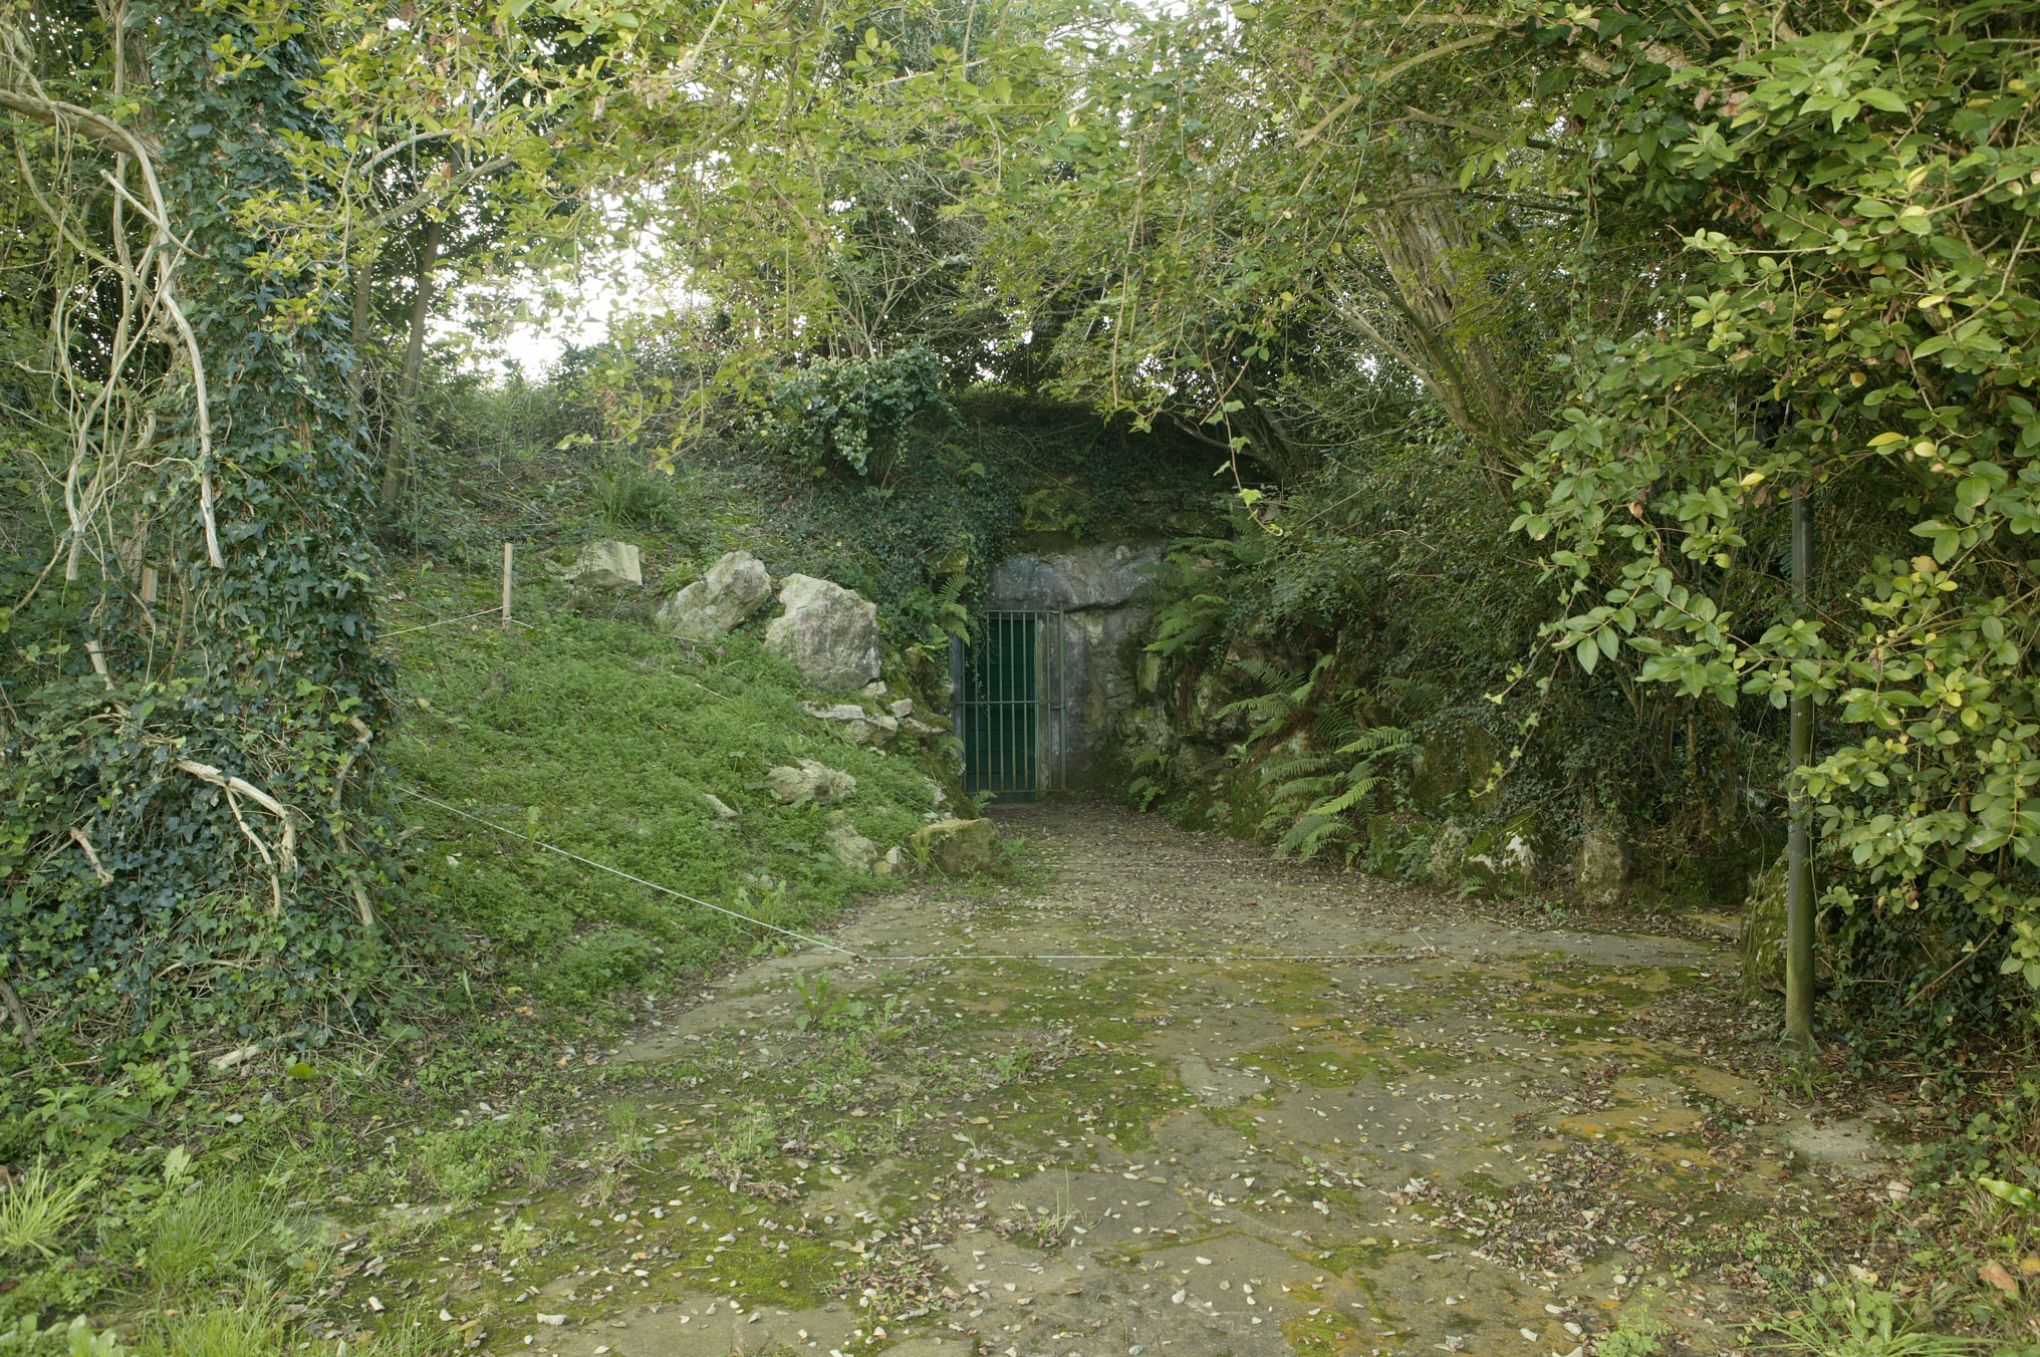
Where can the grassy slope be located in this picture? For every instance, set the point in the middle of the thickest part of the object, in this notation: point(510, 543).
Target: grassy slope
point(605, 738)
point(588, 729)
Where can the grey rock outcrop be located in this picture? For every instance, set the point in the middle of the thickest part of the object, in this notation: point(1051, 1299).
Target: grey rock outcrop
point(827, 632)
point(807, 780)
point(957, 847)
point(612, 565)
point(715, 605)
point(1601, 871)
point(852, 849)
point(856, 724)
point(1103, 576)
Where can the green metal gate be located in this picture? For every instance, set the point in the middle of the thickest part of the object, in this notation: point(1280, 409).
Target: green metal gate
point(1009, 703)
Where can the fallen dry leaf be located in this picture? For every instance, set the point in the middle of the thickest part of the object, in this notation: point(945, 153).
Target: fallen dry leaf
point(1995, 1274)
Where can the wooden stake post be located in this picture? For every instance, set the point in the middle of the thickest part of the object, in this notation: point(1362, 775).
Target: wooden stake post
point(507, 552)
point(1799, 979)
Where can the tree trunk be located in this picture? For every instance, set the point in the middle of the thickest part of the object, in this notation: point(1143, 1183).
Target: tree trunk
point(396, 458)
point(357, 334)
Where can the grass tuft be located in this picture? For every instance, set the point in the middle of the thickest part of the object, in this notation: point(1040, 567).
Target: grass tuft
point(36, 1210)
point(212, 1233)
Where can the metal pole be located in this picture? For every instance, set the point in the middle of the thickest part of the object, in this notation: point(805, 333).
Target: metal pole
point(506, 586)
point(1062, 701)
point(1798, 857)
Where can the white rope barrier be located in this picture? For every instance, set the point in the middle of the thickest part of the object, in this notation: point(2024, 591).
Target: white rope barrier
point(919, 958)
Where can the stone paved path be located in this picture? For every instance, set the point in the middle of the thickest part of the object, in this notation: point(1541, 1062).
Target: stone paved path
point(1420, 1128)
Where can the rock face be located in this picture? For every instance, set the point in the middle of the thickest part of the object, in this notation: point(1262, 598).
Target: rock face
point(1513, 858)
point(807, 780)
point(1601, 872)
point(1077, 580)
point(1448, 855)
point(1094, 587)
point(1457, 756)
point(957, 847)
point(856, 724)
point(612, 565)
point(1497, 862)
point(721, 601)
point(827, 632)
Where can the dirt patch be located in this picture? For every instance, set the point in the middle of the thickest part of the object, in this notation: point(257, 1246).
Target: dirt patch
point(1179, 1100)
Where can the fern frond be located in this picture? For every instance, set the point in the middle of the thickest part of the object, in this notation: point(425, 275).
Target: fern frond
point(1265, 674)
point(1310, 834)
point(1357, 790)
point(1281, 767)
point(1378, 740)
point(1335, 726)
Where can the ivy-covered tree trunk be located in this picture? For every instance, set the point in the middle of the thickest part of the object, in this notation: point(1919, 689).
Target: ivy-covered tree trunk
point(193, 794)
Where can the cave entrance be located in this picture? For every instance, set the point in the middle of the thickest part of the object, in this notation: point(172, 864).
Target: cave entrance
point(1009, 703)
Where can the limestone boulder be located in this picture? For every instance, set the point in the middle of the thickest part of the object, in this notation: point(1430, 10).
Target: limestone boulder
point(827, 632)
point(852, 849)
point(807, 780)
point(1446, 864)
point(608, 565)
point(1601, 868)
point(1498, 862)
point(715, 605)
point(957, 847)
point(854, 723)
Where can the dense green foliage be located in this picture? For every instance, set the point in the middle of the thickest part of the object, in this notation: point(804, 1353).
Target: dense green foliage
point(840, 413)
point(1856, 319)
point(183, 837)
